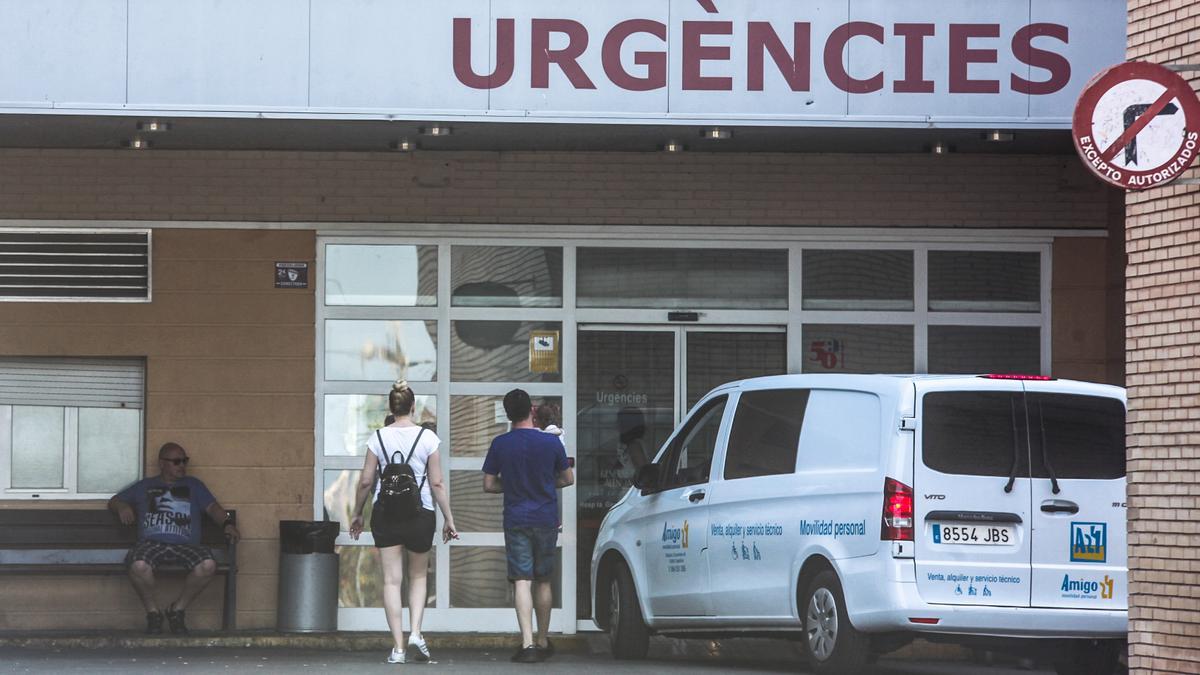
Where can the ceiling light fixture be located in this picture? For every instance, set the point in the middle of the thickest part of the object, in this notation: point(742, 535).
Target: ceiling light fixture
point(941, 148)
point(402, 145)
point(137, 144)
point(716, 133)
point(436, 130)
point(673, 145)
point(153, 126)
point(998, 136)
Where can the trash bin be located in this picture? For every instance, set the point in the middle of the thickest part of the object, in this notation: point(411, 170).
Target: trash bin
point(308, 576)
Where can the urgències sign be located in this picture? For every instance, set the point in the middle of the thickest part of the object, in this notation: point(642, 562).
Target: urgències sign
point(1017, 63)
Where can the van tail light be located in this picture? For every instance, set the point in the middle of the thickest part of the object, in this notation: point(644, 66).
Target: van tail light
point(897, 511)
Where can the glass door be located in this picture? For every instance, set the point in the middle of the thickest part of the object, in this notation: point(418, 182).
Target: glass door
point(634, 385)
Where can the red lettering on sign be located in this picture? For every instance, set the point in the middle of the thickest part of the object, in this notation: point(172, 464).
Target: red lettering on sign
point(794, 67)
point(962, 56)
point(566, 58)
point(914, 81)
point(1057, 64)
point(655, 62)
point(502, 73)
point(836, 46)
point(694, 53)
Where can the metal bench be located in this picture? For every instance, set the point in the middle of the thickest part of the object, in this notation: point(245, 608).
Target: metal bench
point(93, 541)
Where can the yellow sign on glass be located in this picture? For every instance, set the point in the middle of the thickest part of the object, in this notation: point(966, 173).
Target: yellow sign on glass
point(543, 351)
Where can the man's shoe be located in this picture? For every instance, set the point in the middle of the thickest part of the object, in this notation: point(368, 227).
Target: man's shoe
point(527, 655)
point(419, 649)
point(396, 656)
point(547, 651)
point(175, 620)
point(154, 622)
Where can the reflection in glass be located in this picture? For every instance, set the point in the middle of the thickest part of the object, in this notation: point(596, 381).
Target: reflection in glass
point(984, 349)
point(474, 510)
point(984, 281)
point(476, 420)
point(499, 351)
point(350, 419)
point(506, 276)
point(380, 350)
point(378, 274)
point(717, 358)
point(360, 582)
point(682, 278)
point(339, 493)
point(110, 444)
point(479, 577)
point(37, 446)
point(857, 280)
point(849, 348)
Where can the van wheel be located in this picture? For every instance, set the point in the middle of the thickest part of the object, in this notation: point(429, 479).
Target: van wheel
point(1090, 657)
point(832, 644)
point(627, 632)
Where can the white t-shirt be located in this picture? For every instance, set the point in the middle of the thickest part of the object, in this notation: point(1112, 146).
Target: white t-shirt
point(399, 441)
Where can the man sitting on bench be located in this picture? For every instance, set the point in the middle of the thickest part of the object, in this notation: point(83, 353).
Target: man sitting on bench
point(167, 509)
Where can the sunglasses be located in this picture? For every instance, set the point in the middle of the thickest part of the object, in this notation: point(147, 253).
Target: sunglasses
point(176, 460)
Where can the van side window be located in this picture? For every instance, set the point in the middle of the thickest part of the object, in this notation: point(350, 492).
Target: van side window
point(1082, 436)
point(766, 433)
point(690, 458)
point(974, 433)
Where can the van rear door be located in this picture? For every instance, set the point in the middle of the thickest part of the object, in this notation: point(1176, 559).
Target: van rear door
point(972, 493)
point(1077, 444)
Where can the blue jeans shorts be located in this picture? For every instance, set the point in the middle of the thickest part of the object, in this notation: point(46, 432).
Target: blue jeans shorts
point(530, 552)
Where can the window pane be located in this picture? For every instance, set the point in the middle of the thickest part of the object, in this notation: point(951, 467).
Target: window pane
point(857, 280)
point(691, 453)
point(682, 278)
point(37, 447)
point(110, 448)
point(476, 420)
point(381, 350)
point(851, 348)
point(361, 578)
point(350, 419)
point(1082, 436)
point(984, 349)
point(474, 510)
point(506, 276)
point(717, 358)
point(340, 487)
point(374, 274)
point(972, 433)
point(502, 351)
point(984, 281)
point(766, 433)
point(479, 577)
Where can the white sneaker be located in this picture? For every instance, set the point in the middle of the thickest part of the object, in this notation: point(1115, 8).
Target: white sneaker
point(396, 656)
point(422, 650)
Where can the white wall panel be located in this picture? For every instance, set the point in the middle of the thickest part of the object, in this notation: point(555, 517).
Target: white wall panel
point(219, 53)
point(1085, 50)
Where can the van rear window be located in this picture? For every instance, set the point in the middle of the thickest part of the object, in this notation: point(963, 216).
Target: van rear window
point(974, 433)
point(1083, 436)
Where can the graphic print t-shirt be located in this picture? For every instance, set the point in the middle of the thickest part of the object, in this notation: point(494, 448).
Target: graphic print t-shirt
point(168, 513)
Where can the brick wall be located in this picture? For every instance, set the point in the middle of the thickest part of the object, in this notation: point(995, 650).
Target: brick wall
point(1163, 376)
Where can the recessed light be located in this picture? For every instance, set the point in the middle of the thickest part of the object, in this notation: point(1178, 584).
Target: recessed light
point(998, 136)
point(673, 145)
point(402, 145)
point(153, 126)
point(436, 130)
point(717, 133)
point(941, 148)
point(137, 144)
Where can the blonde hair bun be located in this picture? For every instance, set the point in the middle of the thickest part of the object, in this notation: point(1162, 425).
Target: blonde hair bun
point(400, 385)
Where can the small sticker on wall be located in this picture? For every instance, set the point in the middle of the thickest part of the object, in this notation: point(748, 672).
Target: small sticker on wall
point(291, 275)
point(543, 351)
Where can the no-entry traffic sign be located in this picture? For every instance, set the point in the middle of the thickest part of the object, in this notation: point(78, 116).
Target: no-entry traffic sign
point(1137, 125)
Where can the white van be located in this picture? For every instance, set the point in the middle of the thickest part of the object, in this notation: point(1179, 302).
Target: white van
point(854, 512)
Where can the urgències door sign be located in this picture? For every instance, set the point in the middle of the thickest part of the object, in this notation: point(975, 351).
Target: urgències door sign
point(1137, 125)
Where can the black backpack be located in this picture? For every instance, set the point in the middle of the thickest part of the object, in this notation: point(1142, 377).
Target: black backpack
point(399, 491)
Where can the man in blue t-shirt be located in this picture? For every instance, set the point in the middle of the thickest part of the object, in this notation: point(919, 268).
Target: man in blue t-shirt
point(527, 466)
point(168, 509)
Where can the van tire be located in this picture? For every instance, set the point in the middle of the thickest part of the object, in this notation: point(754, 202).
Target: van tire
point(627, 632)
point(832, 644)
point(1090, 657)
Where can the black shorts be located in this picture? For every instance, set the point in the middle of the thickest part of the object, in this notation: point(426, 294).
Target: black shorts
point(414, 533)
point(156, 553)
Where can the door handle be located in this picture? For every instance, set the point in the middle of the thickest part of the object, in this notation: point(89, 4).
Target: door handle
point(1060, 506)
point(696, 496)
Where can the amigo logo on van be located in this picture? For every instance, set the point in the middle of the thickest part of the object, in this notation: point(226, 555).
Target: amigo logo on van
point(675, 535)
point(1089, 542)
point(1087, 588)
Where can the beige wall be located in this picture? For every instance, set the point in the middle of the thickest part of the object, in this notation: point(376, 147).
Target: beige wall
point(1162, 341)
point(229, 374)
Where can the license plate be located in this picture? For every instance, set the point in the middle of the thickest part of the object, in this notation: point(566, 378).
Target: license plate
point(978, 535)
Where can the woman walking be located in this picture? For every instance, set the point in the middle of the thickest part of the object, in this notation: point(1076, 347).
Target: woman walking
point(403, 537)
